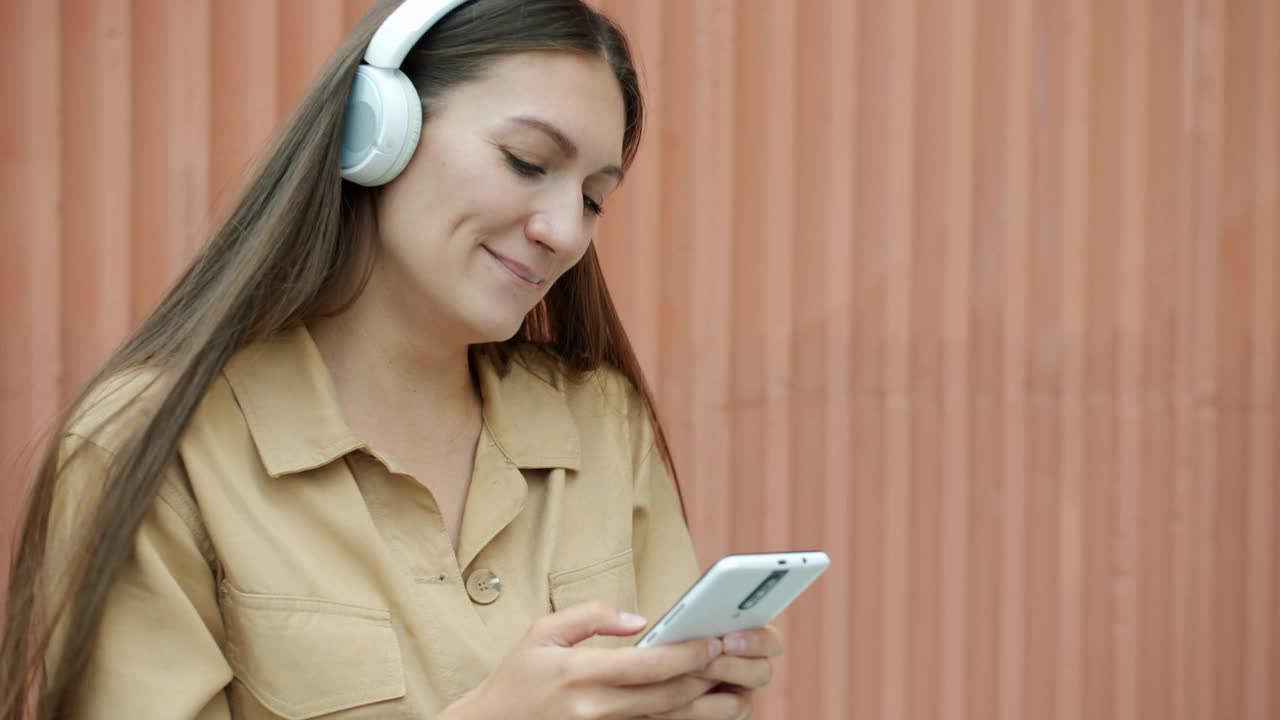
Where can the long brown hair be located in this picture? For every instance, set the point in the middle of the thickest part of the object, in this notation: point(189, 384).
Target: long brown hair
point(290, 249)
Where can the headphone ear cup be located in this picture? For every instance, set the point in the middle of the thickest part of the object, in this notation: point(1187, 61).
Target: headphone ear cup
point(381, 126)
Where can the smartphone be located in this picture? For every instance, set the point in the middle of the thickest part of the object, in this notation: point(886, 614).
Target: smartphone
point(739, 592)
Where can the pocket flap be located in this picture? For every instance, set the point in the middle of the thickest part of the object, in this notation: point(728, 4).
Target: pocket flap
point(305, 657)
point(612, 581)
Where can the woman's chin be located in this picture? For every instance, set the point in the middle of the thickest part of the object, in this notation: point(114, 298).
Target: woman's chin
point(495, 328)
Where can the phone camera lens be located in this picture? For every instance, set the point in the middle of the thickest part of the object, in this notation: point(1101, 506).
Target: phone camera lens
point(763, 589)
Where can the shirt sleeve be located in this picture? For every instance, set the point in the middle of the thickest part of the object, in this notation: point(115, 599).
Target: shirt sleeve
point(665, 562)
point(157, 649)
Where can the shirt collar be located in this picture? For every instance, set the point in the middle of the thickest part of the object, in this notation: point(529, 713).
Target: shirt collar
point(291, 407)
point(527, 414)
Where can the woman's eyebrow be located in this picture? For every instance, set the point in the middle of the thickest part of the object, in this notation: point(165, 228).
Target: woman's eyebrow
point(567, 146)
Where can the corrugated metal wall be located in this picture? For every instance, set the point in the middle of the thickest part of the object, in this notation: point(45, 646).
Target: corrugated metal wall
point(978, 295)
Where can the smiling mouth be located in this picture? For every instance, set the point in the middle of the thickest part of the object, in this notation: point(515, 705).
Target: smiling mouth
point(523, 275)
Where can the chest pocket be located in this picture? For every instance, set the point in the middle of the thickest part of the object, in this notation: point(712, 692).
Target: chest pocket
point(611, 581)
point(299, 658)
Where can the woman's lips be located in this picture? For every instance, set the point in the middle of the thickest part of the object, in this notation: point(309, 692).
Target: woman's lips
point(520, 271)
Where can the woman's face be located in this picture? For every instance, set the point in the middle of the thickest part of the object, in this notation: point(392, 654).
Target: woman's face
point(502, 195)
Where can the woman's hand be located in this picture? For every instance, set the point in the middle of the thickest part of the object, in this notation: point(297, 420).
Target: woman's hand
point(546, 678)
point(744, 668)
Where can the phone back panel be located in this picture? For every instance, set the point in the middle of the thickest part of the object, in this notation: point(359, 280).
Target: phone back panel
point(739, 592)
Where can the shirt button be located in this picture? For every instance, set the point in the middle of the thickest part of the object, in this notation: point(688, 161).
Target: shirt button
point(484, 587)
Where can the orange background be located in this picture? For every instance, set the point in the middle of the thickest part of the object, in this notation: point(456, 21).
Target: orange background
point(980, 296)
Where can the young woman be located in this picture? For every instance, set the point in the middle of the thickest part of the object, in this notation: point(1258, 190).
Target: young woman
point(384, 451)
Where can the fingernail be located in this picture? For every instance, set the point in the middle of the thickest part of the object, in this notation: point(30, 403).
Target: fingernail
point(631, 619)
point(735, 645)
point(714, 647)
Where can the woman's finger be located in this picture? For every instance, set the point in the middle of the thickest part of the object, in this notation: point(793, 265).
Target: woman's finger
point(632, 666)
point(750, 673)
point(765, 642)
point(712, 706)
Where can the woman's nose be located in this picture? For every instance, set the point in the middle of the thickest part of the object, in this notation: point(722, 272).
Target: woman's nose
point(559, 225)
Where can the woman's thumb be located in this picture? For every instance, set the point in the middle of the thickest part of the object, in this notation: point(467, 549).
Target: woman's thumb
point(575, 624)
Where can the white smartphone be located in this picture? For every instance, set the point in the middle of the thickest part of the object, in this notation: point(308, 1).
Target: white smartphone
point(739, 592)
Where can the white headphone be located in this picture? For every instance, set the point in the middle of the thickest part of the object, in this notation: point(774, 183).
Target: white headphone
point(383, 121)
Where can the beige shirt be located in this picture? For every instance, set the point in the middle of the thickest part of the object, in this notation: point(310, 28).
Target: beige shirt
point(287, 569)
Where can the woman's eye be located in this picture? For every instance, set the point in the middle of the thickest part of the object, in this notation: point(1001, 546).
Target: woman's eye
point(529, 170)
point(522, 168)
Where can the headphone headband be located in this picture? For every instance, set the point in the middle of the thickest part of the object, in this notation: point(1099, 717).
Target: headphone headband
point(404, 27)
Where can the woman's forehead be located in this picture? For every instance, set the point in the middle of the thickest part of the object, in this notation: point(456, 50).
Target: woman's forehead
point(574, 93)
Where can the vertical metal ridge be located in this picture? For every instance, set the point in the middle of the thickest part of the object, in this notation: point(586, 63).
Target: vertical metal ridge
point(962, 79)
point(711, 164)
point(1131, 415)
point(1075, 218)
point(1017, 231)
point(898, 226)
point(1262, 616)
point(1207, 141)
point(838, 183)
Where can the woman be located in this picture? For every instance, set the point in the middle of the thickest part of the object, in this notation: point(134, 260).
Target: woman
point(385, 452)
